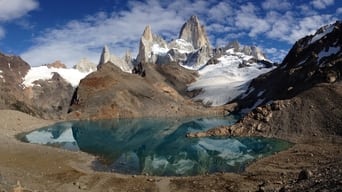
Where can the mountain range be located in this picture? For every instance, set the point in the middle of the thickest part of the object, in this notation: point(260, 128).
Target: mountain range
point(183, 77)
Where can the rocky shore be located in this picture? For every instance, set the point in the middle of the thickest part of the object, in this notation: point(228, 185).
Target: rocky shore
point(311, 165)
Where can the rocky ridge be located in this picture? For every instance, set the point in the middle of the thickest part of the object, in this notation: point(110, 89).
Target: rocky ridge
point(283, 103)
point(124, 64)
point(111, 93)
point(308, 63)
point(192, 48)
point(48, 99)
point(12, 71)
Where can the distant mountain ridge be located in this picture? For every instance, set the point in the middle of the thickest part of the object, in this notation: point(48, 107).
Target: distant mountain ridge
point(192, 49)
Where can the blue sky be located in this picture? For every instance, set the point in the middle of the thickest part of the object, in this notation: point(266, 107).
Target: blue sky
point(69, 30)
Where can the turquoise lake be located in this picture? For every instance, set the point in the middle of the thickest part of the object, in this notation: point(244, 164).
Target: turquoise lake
point(157, 146)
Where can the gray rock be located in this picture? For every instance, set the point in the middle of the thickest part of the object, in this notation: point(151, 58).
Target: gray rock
point(194, 33)
point(304, 174)
point(106, 56)
point(85, 65)
point(148, 39)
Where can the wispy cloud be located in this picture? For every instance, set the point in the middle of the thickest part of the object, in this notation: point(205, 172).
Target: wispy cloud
point(322, 4)
point(2, 32)
point(276, 20)
point(281, 5)
point(14, 9)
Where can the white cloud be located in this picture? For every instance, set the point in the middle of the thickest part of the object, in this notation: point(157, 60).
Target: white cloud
point(13, 9)
point(247, 19)
point(119, 30)
point(309, 25)
point(276, 20)
point(222, 11)
point(307, 10)
point(322, 4)
point(85, 38)
point(339, 11)
point(2, 32)
point(276, 55)
point(276, 5)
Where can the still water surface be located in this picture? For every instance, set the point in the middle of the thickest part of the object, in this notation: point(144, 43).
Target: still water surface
point(157, 146)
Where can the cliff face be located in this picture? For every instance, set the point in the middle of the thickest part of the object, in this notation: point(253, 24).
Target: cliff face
point(193, 32)
point(147, 41)
point(12, 71)
point(48, 99)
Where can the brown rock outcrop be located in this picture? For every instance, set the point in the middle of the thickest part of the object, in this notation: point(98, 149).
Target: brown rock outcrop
point(111, 93)
point(57, 64)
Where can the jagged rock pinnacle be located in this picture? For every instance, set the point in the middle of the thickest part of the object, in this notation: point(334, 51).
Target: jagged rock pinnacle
point(147, 40)
point(147, 35)
point(194, 33)
point(105, 55)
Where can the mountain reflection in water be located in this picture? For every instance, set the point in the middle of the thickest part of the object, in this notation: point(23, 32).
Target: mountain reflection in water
point(157, 146)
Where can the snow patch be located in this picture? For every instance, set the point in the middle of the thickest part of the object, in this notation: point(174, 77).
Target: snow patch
point(320, 35)
point(329, 52)
point(182, 46)
point(73, 76)
point(256, 104)
point(157, 50)
point(302, 62)
point(249, 92)
point(261, 93)
point(1, 71)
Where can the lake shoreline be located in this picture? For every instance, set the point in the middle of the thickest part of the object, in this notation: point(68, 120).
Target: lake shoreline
point(41, 168)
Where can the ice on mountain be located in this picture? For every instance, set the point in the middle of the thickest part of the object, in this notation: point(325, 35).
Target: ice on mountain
point(327, 53)
point(158, 50)
point(318, 36)
point(181, 46)
point(256, 104)
point(73, 76)
point(224, 81)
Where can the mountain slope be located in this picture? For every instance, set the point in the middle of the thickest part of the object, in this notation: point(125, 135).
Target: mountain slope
point(299, 100)
point(228, 75)
point(111, 93)
point(309, 62)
